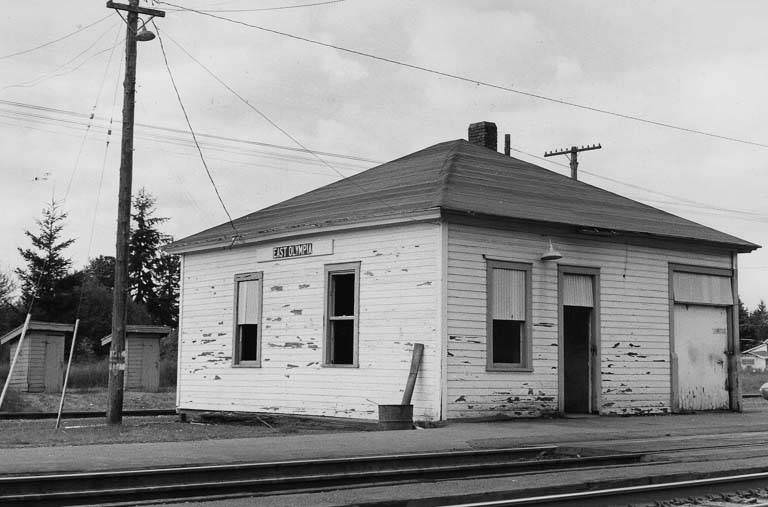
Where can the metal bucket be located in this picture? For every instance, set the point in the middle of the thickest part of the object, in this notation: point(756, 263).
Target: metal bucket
point(396, 417)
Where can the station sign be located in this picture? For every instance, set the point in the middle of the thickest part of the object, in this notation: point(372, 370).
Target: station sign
point(288, 251)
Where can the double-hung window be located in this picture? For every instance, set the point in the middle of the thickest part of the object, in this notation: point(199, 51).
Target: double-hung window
point(341, 310)
point(248, 299)
point(508, 292)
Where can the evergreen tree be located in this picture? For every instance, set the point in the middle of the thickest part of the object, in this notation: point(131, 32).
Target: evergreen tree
point(145, 243)
point(46, 265)
point(164, 304)
point(758, 320)
point(746, 331)
point(102, 268)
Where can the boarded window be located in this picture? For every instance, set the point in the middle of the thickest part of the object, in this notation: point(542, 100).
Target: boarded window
point(342, 314)
point(248, 299)
point(508, 315)
point(696, 288)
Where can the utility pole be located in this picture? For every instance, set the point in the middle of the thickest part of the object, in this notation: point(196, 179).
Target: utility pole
point(120, 293)
point(572, 154)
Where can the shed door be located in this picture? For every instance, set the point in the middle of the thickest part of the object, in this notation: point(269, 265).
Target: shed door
point(150, 371)
point(53, 359)
point(701, 334)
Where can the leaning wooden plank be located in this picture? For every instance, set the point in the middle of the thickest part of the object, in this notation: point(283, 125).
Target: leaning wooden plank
point(418, 352)
point(15, 358)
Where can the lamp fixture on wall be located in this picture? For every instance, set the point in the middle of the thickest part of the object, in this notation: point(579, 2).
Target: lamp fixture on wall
point(551, 254)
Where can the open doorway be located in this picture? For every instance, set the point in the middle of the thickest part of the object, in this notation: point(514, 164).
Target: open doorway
point(579, 339)
point(577, 331)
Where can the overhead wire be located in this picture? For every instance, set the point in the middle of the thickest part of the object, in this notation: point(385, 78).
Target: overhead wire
point(683, 201)
point(53, 73)
point(65, 112)
point(90, 120)
point(474, 81)
point(50, 43)
point(194, 137)
point(278, 127)
point(281, 8)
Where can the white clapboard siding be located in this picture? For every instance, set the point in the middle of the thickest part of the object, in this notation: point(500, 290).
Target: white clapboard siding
point(634, 305)
point(399, 298)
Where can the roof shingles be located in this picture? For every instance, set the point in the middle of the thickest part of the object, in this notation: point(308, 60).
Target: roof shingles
point(461, 177)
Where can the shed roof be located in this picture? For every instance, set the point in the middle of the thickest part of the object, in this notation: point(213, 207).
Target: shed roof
point(759, 351)
point(144, 331)
point(36, 325)
point(460, 177)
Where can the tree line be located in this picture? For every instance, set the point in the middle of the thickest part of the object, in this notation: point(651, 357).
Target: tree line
point(55, 292)
point(753, 326)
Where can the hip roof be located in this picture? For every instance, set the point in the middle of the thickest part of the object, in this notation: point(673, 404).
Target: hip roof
point(461, 177)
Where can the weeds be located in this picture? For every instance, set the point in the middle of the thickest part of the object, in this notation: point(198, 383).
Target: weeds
point(752, 380)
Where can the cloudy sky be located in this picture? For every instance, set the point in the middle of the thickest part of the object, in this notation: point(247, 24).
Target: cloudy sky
point(694, 64)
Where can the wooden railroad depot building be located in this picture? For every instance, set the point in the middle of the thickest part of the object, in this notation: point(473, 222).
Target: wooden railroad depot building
point(533, 293)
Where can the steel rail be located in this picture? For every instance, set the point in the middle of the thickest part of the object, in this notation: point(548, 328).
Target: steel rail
point(283, 476)
point(628, 494)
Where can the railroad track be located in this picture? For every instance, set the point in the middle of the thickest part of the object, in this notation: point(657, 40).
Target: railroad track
point(84, 414)
point(638, 494)
point(287, 476)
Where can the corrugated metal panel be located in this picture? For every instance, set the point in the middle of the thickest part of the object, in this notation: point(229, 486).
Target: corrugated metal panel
point(460, 176)
point(702, 289)
point(508, 294)
point(248, 301)
point(578, 290)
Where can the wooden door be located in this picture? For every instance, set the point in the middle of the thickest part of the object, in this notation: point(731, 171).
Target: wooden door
point(150, 368)
point(701, 343)
point(53, 361)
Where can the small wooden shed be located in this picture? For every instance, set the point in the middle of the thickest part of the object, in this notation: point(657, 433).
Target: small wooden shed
point(142, 356)
point(40, 366)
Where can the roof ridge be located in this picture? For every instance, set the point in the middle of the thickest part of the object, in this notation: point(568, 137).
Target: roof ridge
point(444, 174)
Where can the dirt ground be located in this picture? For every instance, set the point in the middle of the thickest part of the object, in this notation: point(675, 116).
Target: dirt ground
point(39, 433)
point(79, 400)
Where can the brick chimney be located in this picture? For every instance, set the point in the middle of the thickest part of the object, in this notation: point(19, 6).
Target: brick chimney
point(483, 134)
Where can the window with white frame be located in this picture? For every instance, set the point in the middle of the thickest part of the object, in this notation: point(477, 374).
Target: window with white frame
point(248, 299)
point(342, 310)
point(509, 327)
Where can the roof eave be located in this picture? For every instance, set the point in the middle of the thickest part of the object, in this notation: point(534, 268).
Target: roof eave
point(744, 247)
point(416, 216)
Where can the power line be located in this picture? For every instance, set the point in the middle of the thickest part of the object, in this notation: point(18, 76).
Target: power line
point(90, 123)
point(682, 200)
point(49, 43)
point(189, 124)
point(267, 8)
point(476, 81)
point(278, 127)
point(40, 79)
point(38, 107)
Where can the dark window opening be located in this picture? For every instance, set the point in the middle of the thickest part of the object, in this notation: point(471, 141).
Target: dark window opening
point(343, 293)
point(507, 341)
point(249, 340)
point(343, 337)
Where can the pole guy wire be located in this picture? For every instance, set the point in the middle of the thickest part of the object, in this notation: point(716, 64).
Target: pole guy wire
point(194, 137)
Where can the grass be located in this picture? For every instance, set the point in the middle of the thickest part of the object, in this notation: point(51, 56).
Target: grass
point(752, 380)
point(94, 374)
point(86, 400)
point(38, 433)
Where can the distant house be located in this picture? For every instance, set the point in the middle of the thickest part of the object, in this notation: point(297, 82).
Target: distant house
point(755, 358)
point(533, 293)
